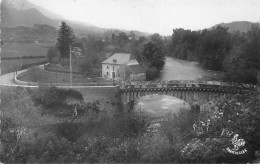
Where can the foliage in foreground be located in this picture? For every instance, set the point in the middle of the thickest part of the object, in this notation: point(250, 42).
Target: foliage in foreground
point(55, 96)
point(129, 138)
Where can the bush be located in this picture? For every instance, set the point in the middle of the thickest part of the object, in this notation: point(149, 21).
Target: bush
point(152, 73)
point(69, 130)
point(49, 96)
point(53, 55)
point(237, 115)
point(130, 124)
point(177, 127)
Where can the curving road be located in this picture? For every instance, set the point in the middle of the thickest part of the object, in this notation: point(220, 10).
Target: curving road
point(8, 80)
point(174, 69)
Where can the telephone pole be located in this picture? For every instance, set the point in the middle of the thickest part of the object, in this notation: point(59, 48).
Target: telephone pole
point(70, 69)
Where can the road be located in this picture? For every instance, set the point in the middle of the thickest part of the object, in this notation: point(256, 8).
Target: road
point(173, 70)
point(8, 80)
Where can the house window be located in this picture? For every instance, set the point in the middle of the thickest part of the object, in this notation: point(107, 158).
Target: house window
point(107, 67)
point(108, 73)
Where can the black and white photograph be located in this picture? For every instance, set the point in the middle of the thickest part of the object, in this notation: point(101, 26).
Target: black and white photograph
point(129, 82)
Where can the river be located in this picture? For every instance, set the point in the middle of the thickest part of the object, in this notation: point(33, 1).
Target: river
point(156, 106)
point(175, 69)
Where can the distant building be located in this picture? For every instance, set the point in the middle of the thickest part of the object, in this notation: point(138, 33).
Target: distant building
point(77, 51)
point(124, 66)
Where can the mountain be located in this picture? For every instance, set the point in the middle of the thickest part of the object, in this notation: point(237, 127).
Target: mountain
point(12, 17)
point(242, 26)
point(39, 32)
point(23, 13)
point(25, 5)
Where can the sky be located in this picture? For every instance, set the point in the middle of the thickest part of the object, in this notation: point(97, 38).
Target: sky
point(154, 16)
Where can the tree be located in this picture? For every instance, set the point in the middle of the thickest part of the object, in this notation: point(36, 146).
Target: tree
point(53, 55)
point(242, 64)
point(152, 55)
point(214, 45)
point(122, 38)
point(132, 35)
point(157, 39)
point(152, 58)
point(183, 44)
point(237, 69)
point(90, 63)
point(65, 40)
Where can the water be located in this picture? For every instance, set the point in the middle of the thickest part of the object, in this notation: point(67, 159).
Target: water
point(175, 69)
point(156, 106)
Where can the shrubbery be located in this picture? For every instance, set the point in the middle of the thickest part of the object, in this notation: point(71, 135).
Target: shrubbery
point(49, 96)
point(130, 138)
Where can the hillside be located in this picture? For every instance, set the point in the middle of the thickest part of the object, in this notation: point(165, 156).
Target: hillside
point(23, 13)
point(12, 17)
point(39, 32)
point(25, 5)
point(242, 26)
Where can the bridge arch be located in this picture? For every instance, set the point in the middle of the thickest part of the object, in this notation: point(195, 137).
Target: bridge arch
point(193, 93)
point(191, 96)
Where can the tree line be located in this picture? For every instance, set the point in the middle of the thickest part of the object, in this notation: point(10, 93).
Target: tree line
point(149, 51)
point(236, 54)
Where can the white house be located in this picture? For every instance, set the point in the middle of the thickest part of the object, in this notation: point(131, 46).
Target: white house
point(118, 64)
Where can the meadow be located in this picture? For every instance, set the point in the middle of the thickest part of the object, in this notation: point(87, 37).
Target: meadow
point(42, 76)
point(22, 50)
point(13, 55)
point(10, 65)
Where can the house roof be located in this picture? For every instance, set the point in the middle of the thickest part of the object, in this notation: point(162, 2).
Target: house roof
point(107, 55)
point(135, 69)
point(121, 58)
point(132, 62)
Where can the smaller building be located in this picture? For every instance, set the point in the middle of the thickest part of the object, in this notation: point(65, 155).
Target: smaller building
point(77, 51)
point(135, 73)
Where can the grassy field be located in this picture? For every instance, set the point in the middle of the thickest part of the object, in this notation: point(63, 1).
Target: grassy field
point(13, 64)
point(21, 50)
point(53, 77)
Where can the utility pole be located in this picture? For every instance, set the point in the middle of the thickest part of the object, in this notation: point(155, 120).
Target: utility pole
point(70, 69)
point(113, 75)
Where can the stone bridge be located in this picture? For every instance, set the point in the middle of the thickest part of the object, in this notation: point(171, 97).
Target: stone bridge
point(190, 91)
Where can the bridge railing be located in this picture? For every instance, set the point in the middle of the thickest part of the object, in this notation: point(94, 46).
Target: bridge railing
point(186, 84)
